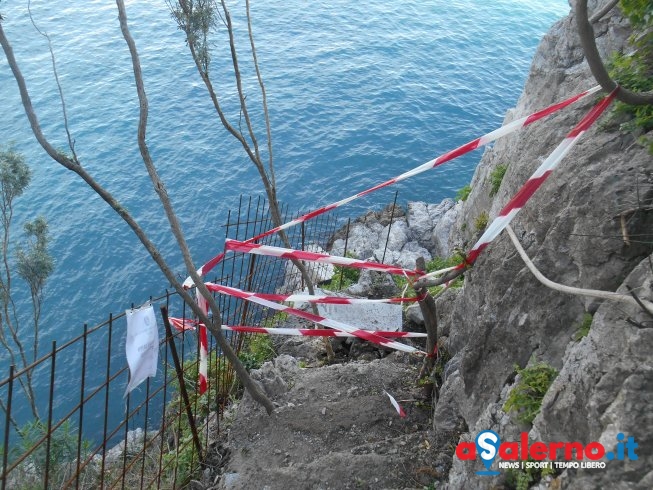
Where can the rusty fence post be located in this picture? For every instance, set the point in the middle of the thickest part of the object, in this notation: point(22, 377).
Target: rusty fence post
point(392, 217)
point(182, 385)
point(5, 453)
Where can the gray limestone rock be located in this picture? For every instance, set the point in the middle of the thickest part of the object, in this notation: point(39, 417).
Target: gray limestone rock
point(273, 375)
point(604, 388)
point(395, 236)
point(571, 230)
point(442, 231)
point(425, 228)
point(363, 239)
point(414, 314)
point(410, 253)
point(373, 285)
point(423, 218)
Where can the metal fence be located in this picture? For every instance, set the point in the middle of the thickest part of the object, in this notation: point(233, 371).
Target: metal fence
point(89, 435)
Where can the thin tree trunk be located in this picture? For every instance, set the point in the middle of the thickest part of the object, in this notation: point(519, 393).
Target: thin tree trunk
point(429, 312)
point(252, 150)
point(598, 69)
point(606, 8)
point(159, 187)
point(74, 165)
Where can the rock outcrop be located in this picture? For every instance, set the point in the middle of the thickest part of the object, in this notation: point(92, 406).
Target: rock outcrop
point(572, 230)
point(590, 225)
point(398, 236)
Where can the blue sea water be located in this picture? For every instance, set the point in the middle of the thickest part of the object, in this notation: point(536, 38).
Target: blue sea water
point(358, 92)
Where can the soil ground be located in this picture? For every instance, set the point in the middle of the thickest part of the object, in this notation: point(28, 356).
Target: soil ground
point(334, 427)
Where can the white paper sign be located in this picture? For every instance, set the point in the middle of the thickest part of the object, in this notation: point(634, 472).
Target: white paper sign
point(142, 346)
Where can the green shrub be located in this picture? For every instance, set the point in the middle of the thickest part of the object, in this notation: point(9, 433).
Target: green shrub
point(61, 458)
point(639, 12)
point(525, 399)
point(343, 277)
point(632, 73)
point(523, 479)
point(633, 70)
point(437, 263)
point(257, 350)
point(463, 193)
point(496, 176)
point(481, 221)
point(584, 327)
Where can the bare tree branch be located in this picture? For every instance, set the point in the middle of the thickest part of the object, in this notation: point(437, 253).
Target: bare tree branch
point(599, 14)
point(71, 143)
point(593, 293)
point(598, 69)
point(215, 325)
point(429, 313)
point(439, 281)
point(74, 165)
point(184, 14)
point(264, 102)
point(239, 81)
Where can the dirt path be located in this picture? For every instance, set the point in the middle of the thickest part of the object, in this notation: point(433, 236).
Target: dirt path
point(335, 428)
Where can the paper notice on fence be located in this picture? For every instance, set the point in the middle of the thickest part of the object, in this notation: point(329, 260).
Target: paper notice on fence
point(142, 346)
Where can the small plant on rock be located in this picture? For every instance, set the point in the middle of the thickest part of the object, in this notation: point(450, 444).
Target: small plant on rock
point(583, 327)
point(496, 177)
point(522, 479)
point(438, 263)
point(60, 460)
point(463, 193)
point(481, 221)
point(343, 277)
point(257, 350)
point(525, 399)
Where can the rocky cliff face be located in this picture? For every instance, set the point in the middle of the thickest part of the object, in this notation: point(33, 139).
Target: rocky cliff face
point(572, 230)
point(590, 226)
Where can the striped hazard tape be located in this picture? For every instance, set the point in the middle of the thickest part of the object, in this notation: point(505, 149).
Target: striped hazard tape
point(395, 404)
point(495, 228)
point(522, 196)
point(320, 299)
point(461, 150)
point(327, 322)
point(287, 253)
point(204, 345)
point(188, 324)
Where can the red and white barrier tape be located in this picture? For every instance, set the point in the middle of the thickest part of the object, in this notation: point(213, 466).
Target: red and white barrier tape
point(328, 300)
point(287, 253)
point(518, 201)
point(188, 324)
point(363, 334)
point(461, 150)
point(204, 345)
point(395, 404)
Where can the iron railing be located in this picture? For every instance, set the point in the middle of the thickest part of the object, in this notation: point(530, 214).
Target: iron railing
point(89, 434)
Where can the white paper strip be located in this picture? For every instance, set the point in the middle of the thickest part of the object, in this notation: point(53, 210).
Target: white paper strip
point(142, 345)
